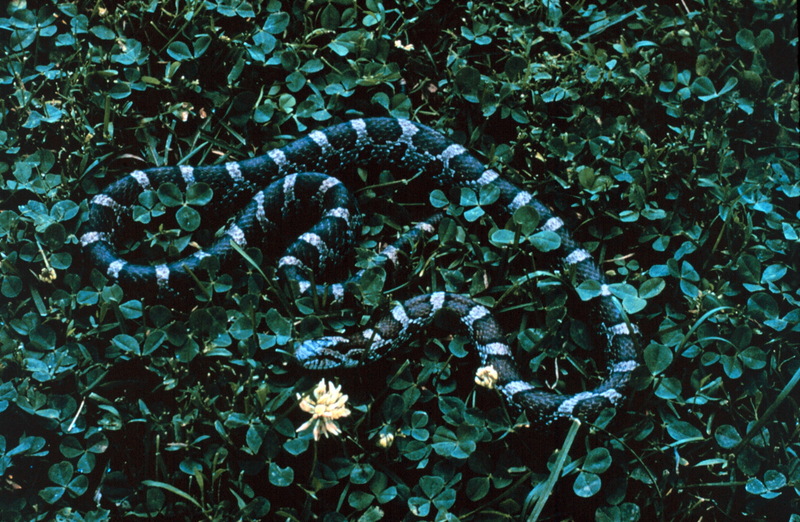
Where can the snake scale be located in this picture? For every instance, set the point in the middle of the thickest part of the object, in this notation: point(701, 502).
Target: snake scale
point(301, 189)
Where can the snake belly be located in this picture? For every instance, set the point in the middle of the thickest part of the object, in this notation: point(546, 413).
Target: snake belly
point(306, 181)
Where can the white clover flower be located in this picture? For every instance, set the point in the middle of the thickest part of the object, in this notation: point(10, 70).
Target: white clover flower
point(385, 440)
point(486, 376)
point(407, 47)
point(326, 404)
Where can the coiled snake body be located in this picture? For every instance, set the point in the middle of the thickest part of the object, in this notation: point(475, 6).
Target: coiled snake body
point(282, 187)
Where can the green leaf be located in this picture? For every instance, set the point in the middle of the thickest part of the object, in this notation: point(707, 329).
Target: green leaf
point(199, 194)
point(419, 506)
point(488, 194)
point(774, 479)
point(11, 286)
point(474, 214)
point(445, 500)
point(727, 437)
point(170, 195)
point(295, 81)
point(70, 448)
point(360, 500)
point(393, 407)
point(191, 467)
point(754, 358)
point(330, 17)
point(682, 431)
point(276, 23)
point(281, 477)
point(52, 494)
point(597, 461)
point(153, 341)
point(749, 268)
point(503, 237)
point(651, 288)
point(447, 443)
point(242, 328)
point(132, 309)
point(545, 240)
point(200, 44)
point(729, 85)
point(361, 473)
point(468, 198)
point(254, 438)
point(515, 67)
point(387, 495)
point(172, 489)
point(625, 512)
point(689, 276)
point(527, 217)
point(763, 306)
point(431, 485)
point(746, 39)
point(589, 289)
point(279, 325)
point(657, 358)
point(633, 304)
point(653, 214)
point(593, 73)
point(61, 473)
point(103, 32)
point(477, 488)
point(188, 218)
point(296, 446)
point(120, 91)
point(438, 199)
point(126, 343)
point(755, 487)
point(554, 95)
point(765, 38)
point(468, 78)
point(703, 88)
point(419, 420)
point(78, 485)
point(587, 484)
point(773, 273)
point(263, 113)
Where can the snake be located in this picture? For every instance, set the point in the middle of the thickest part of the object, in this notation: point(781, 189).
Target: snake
point(296, 200)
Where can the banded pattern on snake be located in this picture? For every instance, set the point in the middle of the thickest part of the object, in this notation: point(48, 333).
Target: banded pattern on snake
point(285, 186)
